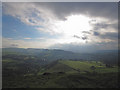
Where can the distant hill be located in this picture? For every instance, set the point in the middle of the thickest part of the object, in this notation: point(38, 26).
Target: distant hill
point(108, 56)
point(107, 51)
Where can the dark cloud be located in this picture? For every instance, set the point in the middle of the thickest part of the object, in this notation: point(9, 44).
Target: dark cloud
point(96, 33)
point(109, 35)
point(103, 25)
point(99, 26)
point(86, 32)
point(76, 36)
point(92, 9)
point(63, 9)
point(14, 45)
point(84, 37)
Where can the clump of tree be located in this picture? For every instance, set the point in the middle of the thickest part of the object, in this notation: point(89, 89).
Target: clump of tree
point(109, 66)
point(46, 73)
point(61, 72)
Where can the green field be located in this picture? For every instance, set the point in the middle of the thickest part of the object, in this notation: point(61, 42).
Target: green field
point(84, 66)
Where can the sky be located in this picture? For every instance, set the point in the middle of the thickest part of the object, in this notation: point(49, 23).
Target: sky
point(72, 26)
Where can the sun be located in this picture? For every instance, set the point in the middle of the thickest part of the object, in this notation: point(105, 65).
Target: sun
point(73, 25)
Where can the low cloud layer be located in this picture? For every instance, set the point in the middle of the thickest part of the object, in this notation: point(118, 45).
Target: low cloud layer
point(86, 48)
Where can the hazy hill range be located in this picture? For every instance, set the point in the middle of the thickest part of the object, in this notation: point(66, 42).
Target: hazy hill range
point(56, 54)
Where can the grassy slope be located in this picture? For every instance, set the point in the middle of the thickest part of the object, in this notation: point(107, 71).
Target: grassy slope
point(85, 66)
point(107, 77)
point(59, 67)
point(74, 79)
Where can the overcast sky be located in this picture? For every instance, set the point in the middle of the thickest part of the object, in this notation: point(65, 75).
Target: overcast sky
point(79, 27)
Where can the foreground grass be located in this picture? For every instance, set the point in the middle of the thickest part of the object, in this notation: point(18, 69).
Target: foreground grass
point(55, 80)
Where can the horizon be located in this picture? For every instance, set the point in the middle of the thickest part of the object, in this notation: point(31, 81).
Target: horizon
point(63, 50)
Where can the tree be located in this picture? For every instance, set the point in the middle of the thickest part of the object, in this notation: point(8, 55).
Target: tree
point(109, 66)
point(93, 67)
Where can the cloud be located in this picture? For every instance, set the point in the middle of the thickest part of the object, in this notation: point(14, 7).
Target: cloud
point(86, 32)
point(105, 25)
point(96, 33)
point(59, 10)
point(105, 30)
point(109, 35)
point(26, 12)
point(27, 38)
point(47, 17)
point(6, 43)
point(85, 37)
point(46, 14)
point(14, 45)
point(87, 48)
point(104, 10)
point(76, 36)
point(100, 26)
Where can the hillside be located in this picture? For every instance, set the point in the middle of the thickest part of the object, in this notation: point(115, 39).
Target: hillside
point(47, 68)
point(70, 66)
point(65, 74)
